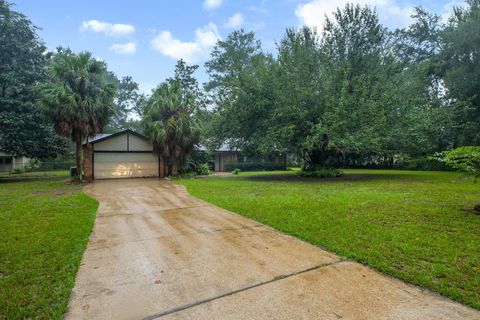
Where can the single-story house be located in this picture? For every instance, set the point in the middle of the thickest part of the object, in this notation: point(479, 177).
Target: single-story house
point(129, 154)
point(125, 154)
point(226, 155)
point(8, 162)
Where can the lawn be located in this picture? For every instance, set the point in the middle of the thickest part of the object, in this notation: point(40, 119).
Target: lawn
point(408, 224)
point(44, 225)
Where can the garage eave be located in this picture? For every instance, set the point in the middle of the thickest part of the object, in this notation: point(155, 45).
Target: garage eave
point(119, 133)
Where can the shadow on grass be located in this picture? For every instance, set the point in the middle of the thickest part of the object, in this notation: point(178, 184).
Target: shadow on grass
point(32, 176)
point(346, 177)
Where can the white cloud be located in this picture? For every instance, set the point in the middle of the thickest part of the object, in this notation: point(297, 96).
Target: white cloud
point(205, 38)
point(313, 13)
point(448, 9)
point(235, 21)
point(258, 10)
point(124, 48)
point(212, 4)
point(109, 29)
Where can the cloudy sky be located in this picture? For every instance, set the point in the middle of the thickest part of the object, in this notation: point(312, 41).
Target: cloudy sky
point(144, 38)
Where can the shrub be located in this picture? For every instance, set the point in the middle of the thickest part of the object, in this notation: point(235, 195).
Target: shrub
point(465, 159)
point(236, 171)
point(320, 173)
point(189, 175)
point(254, 166)
point(197, 167)
point(202, 169)
point(399, 161)
point(423, 163)
point(17, 170)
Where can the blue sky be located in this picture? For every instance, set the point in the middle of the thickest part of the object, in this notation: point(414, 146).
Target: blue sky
point(144, 38)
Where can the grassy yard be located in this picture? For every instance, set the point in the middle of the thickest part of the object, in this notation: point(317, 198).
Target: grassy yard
point(407, 224)
point(44, 225)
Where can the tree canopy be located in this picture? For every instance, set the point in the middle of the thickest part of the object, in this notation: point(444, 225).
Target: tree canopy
point(78, 97)
point(353, 94)
point(22, 65)
point(170, 123)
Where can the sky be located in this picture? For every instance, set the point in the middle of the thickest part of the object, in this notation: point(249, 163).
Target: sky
point(145, 38)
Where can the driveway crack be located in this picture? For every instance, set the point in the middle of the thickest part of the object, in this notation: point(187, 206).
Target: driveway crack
point(230, 293)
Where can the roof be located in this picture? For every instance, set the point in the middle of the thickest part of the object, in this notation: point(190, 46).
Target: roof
point(97, 136)
point(4, 154)
point(105, 136)
point(226, 147)
point(223, 148)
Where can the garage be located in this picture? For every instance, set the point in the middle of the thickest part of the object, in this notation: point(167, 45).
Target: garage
point(124, 165)
point(125, 154)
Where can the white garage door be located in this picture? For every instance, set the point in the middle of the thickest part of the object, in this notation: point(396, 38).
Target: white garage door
point(124, 165)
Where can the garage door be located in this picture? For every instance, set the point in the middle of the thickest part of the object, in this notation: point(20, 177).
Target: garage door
point(124, 165)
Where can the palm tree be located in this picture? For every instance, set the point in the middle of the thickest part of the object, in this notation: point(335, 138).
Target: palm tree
point(170, 124)
point(78, 98)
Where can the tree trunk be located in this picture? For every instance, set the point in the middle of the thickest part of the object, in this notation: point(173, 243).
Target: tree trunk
point(79, 158)
point(176, 160)
point(174, 166)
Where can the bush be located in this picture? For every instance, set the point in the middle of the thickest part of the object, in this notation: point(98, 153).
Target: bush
point(196, 167)
point(188, 175)
point(320, 173)
point(17, 170)
point(202, 169)
point(236, 171)
point(465, 159)
point(399, 161)
point(201, 157)
point(423, 163)
point(254, 166)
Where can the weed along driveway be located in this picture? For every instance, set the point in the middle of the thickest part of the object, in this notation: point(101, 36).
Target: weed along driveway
point(157, 252)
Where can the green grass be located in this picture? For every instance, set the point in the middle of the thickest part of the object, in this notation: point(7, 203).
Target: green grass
point(44, 225)
point(408, 224)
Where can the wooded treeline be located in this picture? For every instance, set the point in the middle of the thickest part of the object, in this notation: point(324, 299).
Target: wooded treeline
point(354, 93)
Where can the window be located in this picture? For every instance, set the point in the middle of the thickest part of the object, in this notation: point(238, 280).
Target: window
point(1, 160)
point(8, 160)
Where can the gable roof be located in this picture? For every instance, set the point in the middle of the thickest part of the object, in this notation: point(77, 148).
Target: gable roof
point(106, 136)
point(97, 137)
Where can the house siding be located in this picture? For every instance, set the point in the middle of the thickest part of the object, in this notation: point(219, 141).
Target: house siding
point(118, 143)
point(138, 144)
point(222, 158)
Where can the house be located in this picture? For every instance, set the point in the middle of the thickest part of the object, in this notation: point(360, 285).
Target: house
point(125, 154)
point(225, 157)
point(129, 154)
point(8, 162)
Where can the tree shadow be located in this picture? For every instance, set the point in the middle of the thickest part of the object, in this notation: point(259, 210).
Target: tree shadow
point(346, 177)
point(28, 177)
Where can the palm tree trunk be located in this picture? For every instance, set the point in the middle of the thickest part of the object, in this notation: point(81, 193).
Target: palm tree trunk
point(174, 166)
point(79, 158)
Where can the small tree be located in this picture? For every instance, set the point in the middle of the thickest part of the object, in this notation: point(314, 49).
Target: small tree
point(170, 124)
point(77, 98)
point(465, 159)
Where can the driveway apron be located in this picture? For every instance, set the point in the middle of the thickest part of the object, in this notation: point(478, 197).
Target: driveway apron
point(158, 253)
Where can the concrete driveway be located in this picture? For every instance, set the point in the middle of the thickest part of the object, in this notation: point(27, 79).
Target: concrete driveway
point(157, 252)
